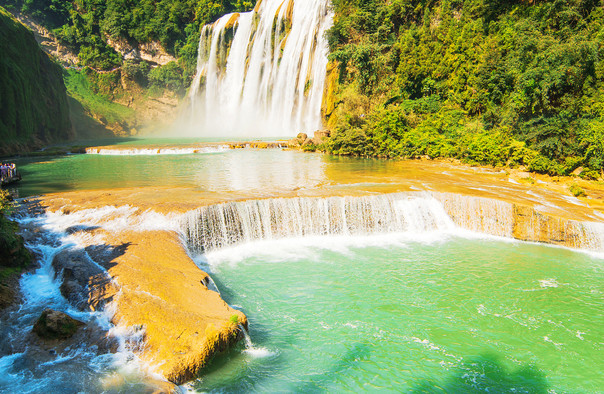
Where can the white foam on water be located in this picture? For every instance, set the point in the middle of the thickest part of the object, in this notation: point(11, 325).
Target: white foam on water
point(110, 218)
point(157, 151)
point(301, 248)
point(259, 352)
point(254, 351)
point(41, 290)
point(545, 283)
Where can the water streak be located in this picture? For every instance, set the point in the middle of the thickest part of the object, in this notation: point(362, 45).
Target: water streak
point(262, 73)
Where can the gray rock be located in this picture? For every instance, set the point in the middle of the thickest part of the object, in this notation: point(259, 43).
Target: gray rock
point(78, 271)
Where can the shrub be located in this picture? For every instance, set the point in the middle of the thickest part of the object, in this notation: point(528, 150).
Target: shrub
point(170, 76)
point(577, 191)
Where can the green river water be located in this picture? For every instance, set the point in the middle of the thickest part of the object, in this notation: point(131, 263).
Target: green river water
point(388, 313)
point(400, 312)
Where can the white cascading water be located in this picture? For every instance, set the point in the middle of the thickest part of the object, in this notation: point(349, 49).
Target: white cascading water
point(262, 73)
point(217, 226)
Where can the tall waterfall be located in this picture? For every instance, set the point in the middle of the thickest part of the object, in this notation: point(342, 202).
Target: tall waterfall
point(233, 223)
point(262, 73)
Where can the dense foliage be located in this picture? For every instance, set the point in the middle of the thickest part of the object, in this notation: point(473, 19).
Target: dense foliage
point(86, 25)
point(33, 101)
point(486, 81)
point(13, 255)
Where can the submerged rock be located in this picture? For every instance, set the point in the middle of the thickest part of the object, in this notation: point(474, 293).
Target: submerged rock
point(56, 325)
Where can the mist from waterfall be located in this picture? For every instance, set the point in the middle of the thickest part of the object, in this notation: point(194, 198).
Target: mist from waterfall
point(262, 73)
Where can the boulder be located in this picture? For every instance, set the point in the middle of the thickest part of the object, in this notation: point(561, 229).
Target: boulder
point(56, 325)
point(577, 171)
point(320, 136)
point(7, 296)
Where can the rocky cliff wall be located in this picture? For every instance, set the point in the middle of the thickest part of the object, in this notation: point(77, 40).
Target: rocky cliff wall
point(33, 100)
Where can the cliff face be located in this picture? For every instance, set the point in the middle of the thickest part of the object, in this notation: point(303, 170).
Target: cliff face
point(33, 101)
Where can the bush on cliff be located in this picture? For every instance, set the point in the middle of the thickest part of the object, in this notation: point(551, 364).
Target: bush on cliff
point(85, 25)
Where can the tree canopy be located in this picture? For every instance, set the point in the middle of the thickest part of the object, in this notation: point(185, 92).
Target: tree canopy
point(486, 81)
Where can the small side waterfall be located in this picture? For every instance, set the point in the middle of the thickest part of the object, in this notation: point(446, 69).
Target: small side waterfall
point(248, 340)
point(216, 226)
point(262, 73)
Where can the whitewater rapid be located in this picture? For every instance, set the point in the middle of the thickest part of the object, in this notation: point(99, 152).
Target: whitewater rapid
point(232, 232)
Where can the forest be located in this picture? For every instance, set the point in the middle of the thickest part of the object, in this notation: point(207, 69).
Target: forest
point(516, 83)
point(86, 25)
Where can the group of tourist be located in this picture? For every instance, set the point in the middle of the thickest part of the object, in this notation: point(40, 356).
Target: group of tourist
point(7, 171)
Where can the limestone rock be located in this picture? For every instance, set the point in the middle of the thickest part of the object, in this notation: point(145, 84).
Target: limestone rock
point(56, 325)
point(299, 141)
point(320, 136)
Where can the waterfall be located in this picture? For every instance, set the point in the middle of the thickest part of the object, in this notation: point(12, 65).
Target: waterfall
point(233, 223)
point(248, 340)
point(216, 226)
point(262, 73)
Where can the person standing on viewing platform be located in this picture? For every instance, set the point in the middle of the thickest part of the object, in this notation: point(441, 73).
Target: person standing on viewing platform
point(8, 173)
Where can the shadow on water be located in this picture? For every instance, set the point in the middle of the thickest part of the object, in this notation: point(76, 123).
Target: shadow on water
point(359, 351)
point(486, 373)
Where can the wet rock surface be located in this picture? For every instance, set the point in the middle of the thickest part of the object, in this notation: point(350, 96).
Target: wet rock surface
point(82, 279)
point(56, 325)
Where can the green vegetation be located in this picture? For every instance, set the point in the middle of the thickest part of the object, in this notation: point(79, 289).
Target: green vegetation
point(13, 255)
point(85, 25)
point(577, 191)
point(92, 98)
point(33, 103)
point(493, 82)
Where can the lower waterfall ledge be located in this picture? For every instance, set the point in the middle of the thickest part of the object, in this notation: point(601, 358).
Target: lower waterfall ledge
point(521, 222)
point(234, 223)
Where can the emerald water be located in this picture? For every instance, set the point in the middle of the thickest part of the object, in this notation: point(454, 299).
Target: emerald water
point(244, 169)
point(401, 313)
point(420, 311)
